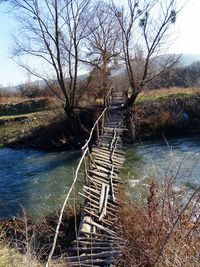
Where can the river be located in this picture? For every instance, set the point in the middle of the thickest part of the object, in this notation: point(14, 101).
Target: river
point(39, 180)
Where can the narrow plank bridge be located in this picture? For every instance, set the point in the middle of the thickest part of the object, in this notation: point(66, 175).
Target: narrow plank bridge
point(97, 242)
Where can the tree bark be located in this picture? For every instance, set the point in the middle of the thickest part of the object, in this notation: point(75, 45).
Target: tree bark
point(131, 100)
point(130, 124)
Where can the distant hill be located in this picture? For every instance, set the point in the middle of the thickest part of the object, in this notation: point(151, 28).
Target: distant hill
point(185, 60)
point(188, 59)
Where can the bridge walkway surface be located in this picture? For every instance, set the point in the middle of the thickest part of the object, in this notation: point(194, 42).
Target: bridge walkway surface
point(97, 242)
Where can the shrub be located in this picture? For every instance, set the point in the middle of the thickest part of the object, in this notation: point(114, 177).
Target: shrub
point(163, 233)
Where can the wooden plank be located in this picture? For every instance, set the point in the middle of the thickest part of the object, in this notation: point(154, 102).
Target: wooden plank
point(116, 238)
point(105, 222)
point(100, 181)
point(106, 162)
point(89, 221)
point(95, 255)
point(112, 187)
point(94, 242)
point(93, 249)
point(107, 165)
point(106, 176)
point(117, 151)
point(110, 159)
point(103, 168)
point(102, 196)
point(104, 207)
point(96, 207)
point(109, 156)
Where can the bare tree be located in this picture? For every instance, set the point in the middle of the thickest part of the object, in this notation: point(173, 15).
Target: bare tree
point(52, 32)
point(103, 42)
point(102, 47)
point(145, 26)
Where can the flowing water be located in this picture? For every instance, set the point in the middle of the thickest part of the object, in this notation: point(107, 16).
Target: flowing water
point(39, 180)
point(177, 160)
point(34, 180)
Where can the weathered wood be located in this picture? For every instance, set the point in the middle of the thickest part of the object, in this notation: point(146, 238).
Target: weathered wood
point(94, 249)
point(97, 238)
point(106, 169)
point(96, 207)
point(104, 175)
point(109, 161)
point(104, 207)
point(107, 165)
point(85, 226)
point(119, 160)
point(117, 151)
point(94, 256)
point(106, 237)
point(102, 196)
point(107, 152)
point(114, 205)
point(93, 214)
point(89, 221)
point(111, 187)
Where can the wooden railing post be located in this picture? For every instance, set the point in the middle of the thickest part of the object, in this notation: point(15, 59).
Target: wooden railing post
point(98, 131)
point(102, 124)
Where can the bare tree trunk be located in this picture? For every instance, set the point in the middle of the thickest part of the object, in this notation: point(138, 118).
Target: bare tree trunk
point(131, 100)
point(130, 125)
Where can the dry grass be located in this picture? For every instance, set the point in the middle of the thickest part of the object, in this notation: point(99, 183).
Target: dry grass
point(27, 243)
point(165, 233)
point(165, 92)
point(13, 100)
point(9, 257)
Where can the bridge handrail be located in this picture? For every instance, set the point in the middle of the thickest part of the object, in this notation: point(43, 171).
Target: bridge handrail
point(107, 98)
point(98, 119)
point(93, 128)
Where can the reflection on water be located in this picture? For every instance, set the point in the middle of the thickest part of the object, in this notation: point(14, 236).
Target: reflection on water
point(38, 180)
point(35, 180)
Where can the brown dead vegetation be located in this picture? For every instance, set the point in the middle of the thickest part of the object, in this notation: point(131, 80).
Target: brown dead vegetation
point(164, 233)
point(167, 113)
point(33, 239)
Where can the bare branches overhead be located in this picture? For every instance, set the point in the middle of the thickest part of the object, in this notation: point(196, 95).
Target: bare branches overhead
point(67, 35)
point(145, 26)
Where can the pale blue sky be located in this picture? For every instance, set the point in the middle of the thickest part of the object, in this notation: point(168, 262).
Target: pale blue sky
point(186, 32)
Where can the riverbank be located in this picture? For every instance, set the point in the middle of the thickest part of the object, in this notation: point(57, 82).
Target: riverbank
point(41, 123)
point(167, 112)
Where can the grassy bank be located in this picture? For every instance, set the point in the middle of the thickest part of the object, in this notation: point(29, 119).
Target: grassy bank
point(173, 111)
point(41, 123)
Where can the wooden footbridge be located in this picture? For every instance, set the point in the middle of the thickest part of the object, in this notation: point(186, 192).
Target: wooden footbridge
point(97, 242)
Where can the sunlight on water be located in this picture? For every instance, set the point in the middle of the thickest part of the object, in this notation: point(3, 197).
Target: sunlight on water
point(178, 159)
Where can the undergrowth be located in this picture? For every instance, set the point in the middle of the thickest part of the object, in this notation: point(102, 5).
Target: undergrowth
point(164, 233)
point(27, 243)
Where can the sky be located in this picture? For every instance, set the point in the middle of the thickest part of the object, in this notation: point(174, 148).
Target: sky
point(186, 29)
